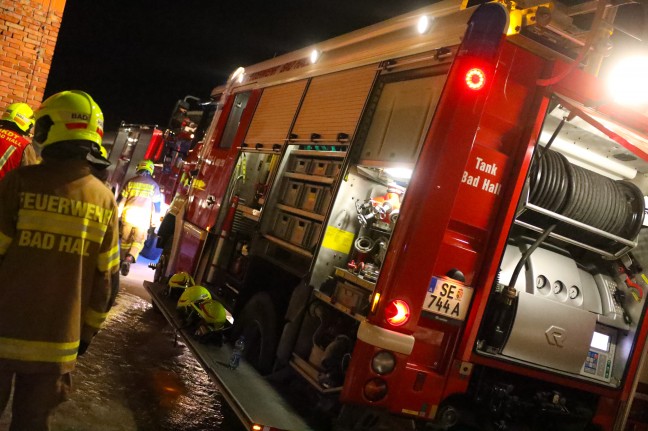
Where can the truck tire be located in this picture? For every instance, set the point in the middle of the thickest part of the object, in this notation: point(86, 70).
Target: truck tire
point(363, 418)
point(161, 265)
point(164, 241)
point(258, 324)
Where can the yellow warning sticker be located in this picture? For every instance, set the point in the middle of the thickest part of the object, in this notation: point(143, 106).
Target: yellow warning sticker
point(433, 411)
point(338, 240)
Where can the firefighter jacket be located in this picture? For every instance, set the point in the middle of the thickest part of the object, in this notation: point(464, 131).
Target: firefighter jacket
point(15, 150)
point(59, 254)
point(140, 200)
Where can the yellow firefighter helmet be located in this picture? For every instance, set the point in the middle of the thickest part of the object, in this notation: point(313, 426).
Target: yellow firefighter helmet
point(68, 116)
point(179, 282)
point(20, 114)
point(211, 312)
point(191, 295)
point(185, 306)
point(103, 151)
point(145, 165)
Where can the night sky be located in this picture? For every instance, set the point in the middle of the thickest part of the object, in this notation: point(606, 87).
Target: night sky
point(136, 58)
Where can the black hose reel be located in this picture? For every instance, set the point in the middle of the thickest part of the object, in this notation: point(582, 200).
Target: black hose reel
point(616, 207)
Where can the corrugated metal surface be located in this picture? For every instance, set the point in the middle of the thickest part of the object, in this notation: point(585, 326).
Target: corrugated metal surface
point(334, 102)
point(275, 114)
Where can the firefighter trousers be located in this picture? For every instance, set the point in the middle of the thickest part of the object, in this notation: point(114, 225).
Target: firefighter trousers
point(35, 397)
point(131, 240)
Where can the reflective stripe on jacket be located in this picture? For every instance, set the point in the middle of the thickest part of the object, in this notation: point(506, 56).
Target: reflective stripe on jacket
point(59, 252)
point(139, 196)
point(12, 148)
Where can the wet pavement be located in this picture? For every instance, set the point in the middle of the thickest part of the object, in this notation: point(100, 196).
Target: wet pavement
point(135, 376)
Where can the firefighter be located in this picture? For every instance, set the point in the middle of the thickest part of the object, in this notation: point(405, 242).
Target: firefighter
point(99, 167)
point(15, 149)
point(59, 257)
point(139, 210)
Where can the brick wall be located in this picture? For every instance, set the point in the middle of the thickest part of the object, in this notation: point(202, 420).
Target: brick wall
point(28, 33)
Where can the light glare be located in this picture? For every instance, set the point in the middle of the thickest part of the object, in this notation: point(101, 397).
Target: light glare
point(399, 173)
point(423, 24)
point(475, 79)
point(314, 56)
point(627, 82)
point(238, 74)
point(397, 313)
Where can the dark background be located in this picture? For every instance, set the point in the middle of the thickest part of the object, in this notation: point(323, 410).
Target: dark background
point(136, 58)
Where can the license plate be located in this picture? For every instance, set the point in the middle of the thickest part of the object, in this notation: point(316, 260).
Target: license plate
point(448, 298)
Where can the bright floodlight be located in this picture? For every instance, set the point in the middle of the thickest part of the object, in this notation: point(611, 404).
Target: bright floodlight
point(628, 81)
point(314, 56)
point(238, 74)
point(423, 24)
point(399, 173)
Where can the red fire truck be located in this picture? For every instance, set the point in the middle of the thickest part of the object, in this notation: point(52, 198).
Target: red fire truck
point(178, 154)
point(434, 222)
point(132, 143)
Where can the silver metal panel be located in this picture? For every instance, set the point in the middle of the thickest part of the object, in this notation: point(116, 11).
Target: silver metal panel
point(550, 333)
point(591, 297)
point(344, 217)
point(553, 276)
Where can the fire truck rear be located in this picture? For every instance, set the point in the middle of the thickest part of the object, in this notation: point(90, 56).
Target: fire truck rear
point(434, 229)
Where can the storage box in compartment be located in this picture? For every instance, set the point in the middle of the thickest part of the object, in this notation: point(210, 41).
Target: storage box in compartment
point(334, 169)
point(301, 165)
point(354, 297)
point(299, 232)
point(283, 226)
point(292, 193)
point(316, 229)
point(319, 167)
point(325, 200)
point(311, 197)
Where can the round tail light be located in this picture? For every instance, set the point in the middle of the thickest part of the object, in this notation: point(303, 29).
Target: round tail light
point(383, 362)
point(375, 389)
point(475, 78)
point(397, 313)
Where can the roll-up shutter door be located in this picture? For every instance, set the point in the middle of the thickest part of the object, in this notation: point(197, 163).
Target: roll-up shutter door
point(333, 103)
point(275, 114)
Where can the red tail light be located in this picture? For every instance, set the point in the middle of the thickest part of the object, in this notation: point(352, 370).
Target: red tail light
point(475, 78)
point(397, 313)
point(375, 389)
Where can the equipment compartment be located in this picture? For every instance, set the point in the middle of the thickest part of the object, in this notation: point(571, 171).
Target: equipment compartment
point(569, 297)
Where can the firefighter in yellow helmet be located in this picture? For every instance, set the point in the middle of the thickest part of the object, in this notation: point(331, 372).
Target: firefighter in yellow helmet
point(99, 167)
point(15, 148)
point(139, 210)
point(59, 258)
